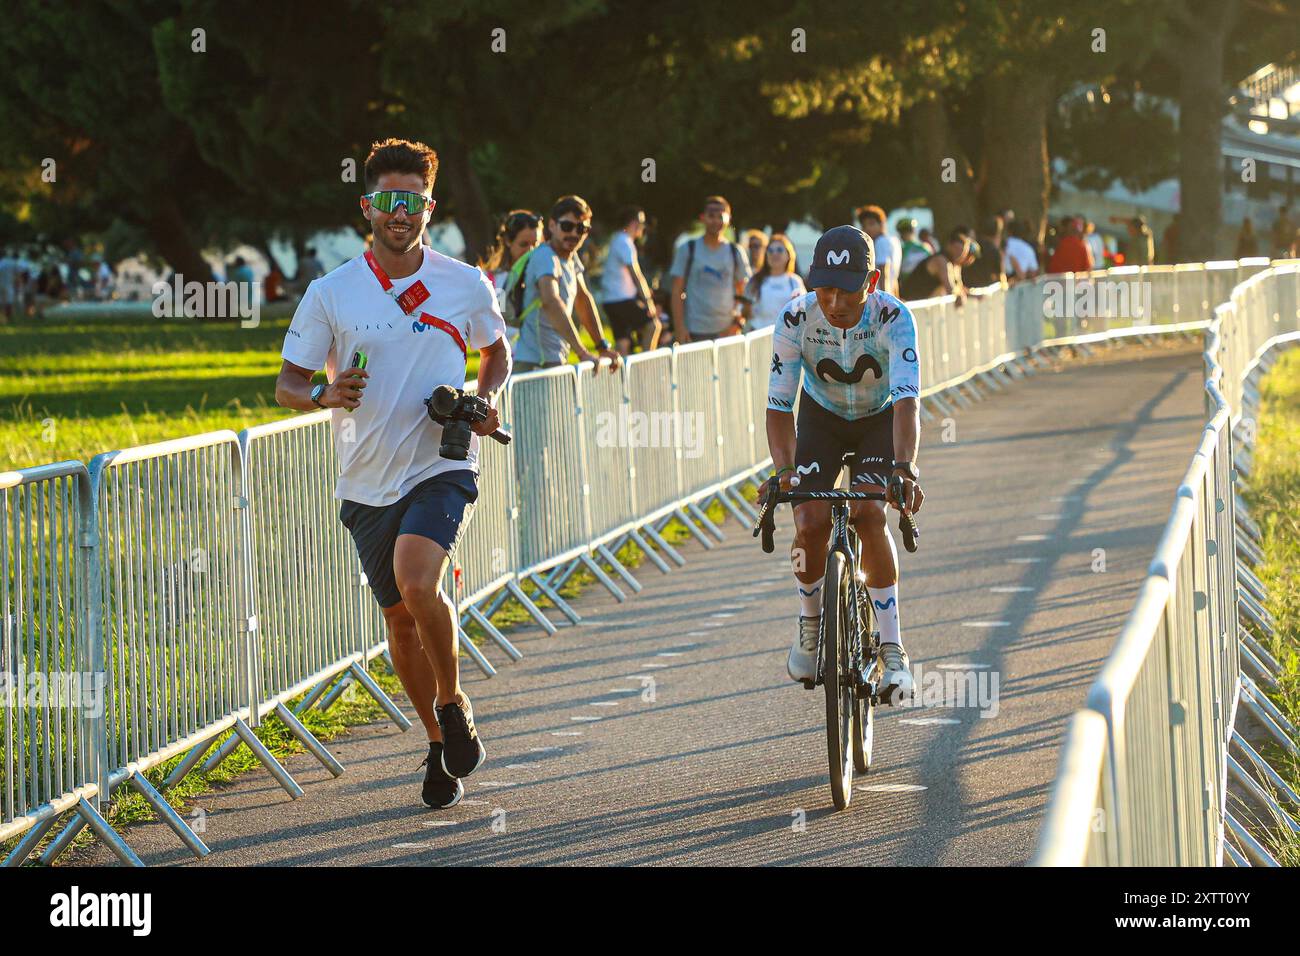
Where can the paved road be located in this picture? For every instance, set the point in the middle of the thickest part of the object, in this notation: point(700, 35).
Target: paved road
point(726, 765)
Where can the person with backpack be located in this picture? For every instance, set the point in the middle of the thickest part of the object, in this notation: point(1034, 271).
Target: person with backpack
point(517, 235)
point(552, 291)
point(629, 306)
point(709, 278)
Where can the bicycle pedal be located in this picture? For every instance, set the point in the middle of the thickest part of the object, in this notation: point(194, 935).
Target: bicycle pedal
point(888, 694)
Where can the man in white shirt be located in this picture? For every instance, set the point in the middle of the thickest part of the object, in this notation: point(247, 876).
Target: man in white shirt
point(1019, 260)
point(1096, 244)
point(414, 314)
point(629, 306)
point(10, 280)
point(888, 249)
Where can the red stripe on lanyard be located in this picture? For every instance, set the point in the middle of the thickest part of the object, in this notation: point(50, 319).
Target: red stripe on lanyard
point(447, 327)
point(414, 295)
point(409, 300)
point(384, 282)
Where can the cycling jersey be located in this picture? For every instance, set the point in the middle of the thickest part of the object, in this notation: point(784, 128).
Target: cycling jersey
point(851, 372)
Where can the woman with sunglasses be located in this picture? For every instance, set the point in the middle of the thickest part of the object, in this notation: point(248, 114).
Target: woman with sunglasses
point(517, 233)
point(775, 283)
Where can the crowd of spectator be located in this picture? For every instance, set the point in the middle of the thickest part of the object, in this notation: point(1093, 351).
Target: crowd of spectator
point(714, 286)
point(29, 281)
point(717, 287)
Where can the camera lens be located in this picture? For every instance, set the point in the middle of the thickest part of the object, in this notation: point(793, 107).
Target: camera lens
point(443, 400)
point(455, 440)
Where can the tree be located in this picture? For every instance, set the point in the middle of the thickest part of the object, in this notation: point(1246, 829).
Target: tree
point(116, 151)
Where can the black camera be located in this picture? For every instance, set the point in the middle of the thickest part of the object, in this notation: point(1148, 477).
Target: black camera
point(457, 411)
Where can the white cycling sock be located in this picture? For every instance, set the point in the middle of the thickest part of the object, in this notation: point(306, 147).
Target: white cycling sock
point(884, 607)
point(810, 598)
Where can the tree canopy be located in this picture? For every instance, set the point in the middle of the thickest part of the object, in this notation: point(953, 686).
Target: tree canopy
point(177, 125)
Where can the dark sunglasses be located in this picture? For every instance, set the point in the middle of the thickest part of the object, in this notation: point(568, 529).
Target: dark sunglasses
point(523, 220)
point(568, 225)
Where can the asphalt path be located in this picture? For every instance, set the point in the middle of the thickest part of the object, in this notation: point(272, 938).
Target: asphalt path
point(664, 730)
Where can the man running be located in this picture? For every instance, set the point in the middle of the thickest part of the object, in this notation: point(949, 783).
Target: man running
point(854, 349)
point(415, 314)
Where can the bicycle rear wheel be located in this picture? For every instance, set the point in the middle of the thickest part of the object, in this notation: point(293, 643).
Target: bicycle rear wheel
point(864, 710)
point(837, 680)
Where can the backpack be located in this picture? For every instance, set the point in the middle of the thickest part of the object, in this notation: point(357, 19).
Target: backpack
point(514, 292)
point(690, 260)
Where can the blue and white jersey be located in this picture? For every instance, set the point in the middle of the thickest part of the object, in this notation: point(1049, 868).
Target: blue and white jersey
point(853, 372)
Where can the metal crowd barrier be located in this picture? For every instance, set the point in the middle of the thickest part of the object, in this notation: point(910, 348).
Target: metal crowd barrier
point(51, 688)
point(1143, 778)
point(216, 583)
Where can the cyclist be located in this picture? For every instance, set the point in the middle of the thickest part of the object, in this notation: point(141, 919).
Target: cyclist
point(854, 349)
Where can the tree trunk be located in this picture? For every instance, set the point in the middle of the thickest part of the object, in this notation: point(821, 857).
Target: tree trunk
point(263, 245)
point(167, 227)
point(1014, 167)
point(299, 254)
point(934, 144)
point(1198, 50)
point(472, 213)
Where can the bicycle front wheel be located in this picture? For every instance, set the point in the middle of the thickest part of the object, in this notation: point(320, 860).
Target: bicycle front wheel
point(837, 679)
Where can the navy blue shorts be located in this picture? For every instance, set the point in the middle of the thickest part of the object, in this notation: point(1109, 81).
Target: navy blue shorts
point(822, 439)
point(438, 508)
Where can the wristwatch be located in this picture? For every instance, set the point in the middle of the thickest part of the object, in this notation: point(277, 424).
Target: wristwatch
point(908, 468)
point(603, 344)
point(317, 392)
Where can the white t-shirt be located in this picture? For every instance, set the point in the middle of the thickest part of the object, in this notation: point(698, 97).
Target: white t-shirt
point(776, 292)
point(1018, 256)
point(390, 445)
point(889, 259)
point(616, 282)
point(1098, 247)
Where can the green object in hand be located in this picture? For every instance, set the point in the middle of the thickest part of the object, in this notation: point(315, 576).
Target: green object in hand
point(359, 360)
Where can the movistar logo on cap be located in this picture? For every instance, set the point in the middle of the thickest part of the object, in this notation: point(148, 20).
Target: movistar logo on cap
point(837, 258)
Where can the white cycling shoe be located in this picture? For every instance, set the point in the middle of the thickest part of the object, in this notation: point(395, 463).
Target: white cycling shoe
point(896, 683)
point(801, 665)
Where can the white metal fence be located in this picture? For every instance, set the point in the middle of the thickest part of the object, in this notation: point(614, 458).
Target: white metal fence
point(1145, 768)
point(203, 583)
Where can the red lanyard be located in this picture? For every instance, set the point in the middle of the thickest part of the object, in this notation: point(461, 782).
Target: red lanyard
point(411, 299)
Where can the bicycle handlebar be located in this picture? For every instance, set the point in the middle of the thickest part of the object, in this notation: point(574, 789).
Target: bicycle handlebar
point(766, 523)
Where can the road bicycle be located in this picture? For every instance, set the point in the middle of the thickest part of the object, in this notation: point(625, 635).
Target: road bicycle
point(848, 647)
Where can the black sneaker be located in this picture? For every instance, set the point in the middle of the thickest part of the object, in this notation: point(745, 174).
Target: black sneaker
point(462, 751)
point(441, 790)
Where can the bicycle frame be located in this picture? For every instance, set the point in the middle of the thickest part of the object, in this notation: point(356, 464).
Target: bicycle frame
point(844, 540)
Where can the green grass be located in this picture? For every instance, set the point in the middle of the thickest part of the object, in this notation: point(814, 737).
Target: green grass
point(75, 388)
point(1274, 499)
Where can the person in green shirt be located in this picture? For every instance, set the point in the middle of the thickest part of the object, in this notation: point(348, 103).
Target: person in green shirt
point(913, 251)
